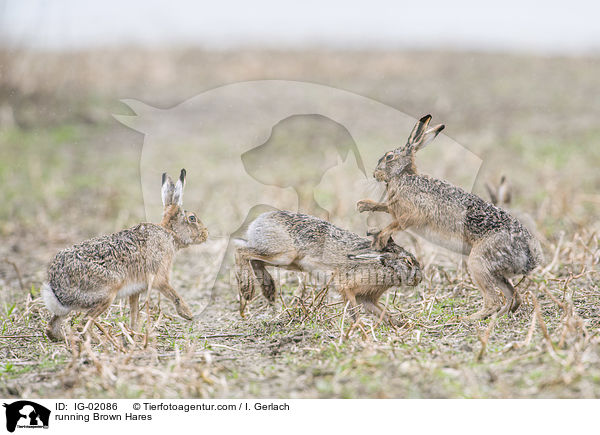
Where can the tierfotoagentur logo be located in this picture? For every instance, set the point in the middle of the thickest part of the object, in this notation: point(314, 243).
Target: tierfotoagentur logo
point(25, 414)
point(286, 145)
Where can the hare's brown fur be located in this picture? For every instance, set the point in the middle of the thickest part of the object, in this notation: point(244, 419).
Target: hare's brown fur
point(305, 243)
point(90, 275)
point(497, 244)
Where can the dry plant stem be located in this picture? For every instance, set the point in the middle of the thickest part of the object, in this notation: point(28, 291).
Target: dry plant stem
point(556, 301)
point(126, 334)
point(321, 294)
point(530, 332)
point(108, 336)
point(556, 255)
point(148, 321)
point(486, 336)
point(333, 316)
point(87, 325)
point(373, 332)
point(342, 324)
point(360, 326)
point(17, 271)
point(87, 345)
point(382, 315)
point(543, 327)
point(204, 337)
point(282, 301)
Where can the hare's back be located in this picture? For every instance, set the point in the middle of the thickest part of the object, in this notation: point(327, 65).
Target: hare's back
point(303, 232)
point(463, 211)
point(108, 258)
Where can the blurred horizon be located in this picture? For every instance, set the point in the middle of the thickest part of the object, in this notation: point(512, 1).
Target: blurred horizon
point(512, 26)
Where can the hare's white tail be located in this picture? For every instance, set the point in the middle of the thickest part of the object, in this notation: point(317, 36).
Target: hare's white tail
point(52, 302)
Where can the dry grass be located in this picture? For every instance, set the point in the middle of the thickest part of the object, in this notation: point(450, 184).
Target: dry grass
point(307, 346)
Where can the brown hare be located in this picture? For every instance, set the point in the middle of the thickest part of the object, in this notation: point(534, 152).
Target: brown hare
point(346, 261)
point(90, 275)
point(498, 246)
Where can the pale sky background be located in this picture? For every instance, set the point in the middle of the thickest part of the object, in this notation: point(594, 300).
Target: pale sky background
point(554, 27)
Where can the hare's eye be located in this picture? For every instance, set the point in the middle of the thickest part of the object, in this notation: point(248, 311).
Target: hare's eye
point(192, 218)
point(389, 157)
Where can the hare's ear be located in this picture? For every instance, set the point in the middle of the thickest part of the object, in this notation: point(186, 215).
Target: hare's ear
point(504, 191)
point(418, 129)
point(369, 256)
point(178, 193)
point(428, 136)
point(167, 190)
point(491, 192)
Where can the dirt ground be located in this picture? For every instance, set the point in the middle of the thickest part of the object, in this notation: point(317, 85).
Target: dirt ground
point(69, 171)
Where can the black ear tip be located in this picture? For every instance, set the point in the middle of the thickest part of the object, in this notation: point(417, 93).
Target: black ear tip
point(425, 118)
point(164, 177)
point(442, 127)
point(182, 174)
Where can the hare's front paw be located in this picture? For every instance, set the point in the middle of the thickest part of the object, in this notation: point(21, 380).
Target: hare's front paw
point(364, 205)
point(184, 311)
point(379, 243)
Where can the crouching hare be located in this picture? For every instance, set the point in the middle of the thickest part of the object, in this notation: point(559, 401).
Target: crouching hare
point(305, 243)
point(498, 246)
point(90, 275)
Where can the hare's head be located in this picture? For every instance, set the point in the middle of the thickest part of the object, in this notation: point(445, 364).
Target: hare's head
point(402, 160)
point(185, 224)
point(405, 266)
point(399, 266)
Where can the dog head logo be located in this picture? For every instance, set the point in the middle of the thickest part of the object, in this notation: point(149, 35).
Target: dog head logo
point(26, 414)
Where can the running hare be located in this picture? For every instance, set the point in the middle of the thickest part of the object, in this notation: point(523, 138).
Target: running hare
point(497, 244)
point(305, 243)
point(90, 275)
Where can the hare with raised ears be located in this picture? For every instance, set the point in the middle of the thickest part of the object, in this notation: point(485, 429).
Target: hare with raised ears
point(305, 243)
point(90, 275)
point(498, 246)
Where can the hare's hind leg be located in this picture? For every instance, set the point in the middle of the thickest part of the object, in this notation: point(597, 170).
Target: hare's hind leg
point(486, 282)
point(102, 306)
point(371, 305)
point(54, 330)
point(134, 310)
point(513, 300)
point(264, 278)
point(245, 279)
point(350, 299)
point(250, 271)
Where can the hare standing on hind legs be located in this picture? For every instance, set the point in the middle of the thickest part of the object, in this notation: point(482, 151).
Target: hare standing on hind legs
point(498, 246)
point(89, 276)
